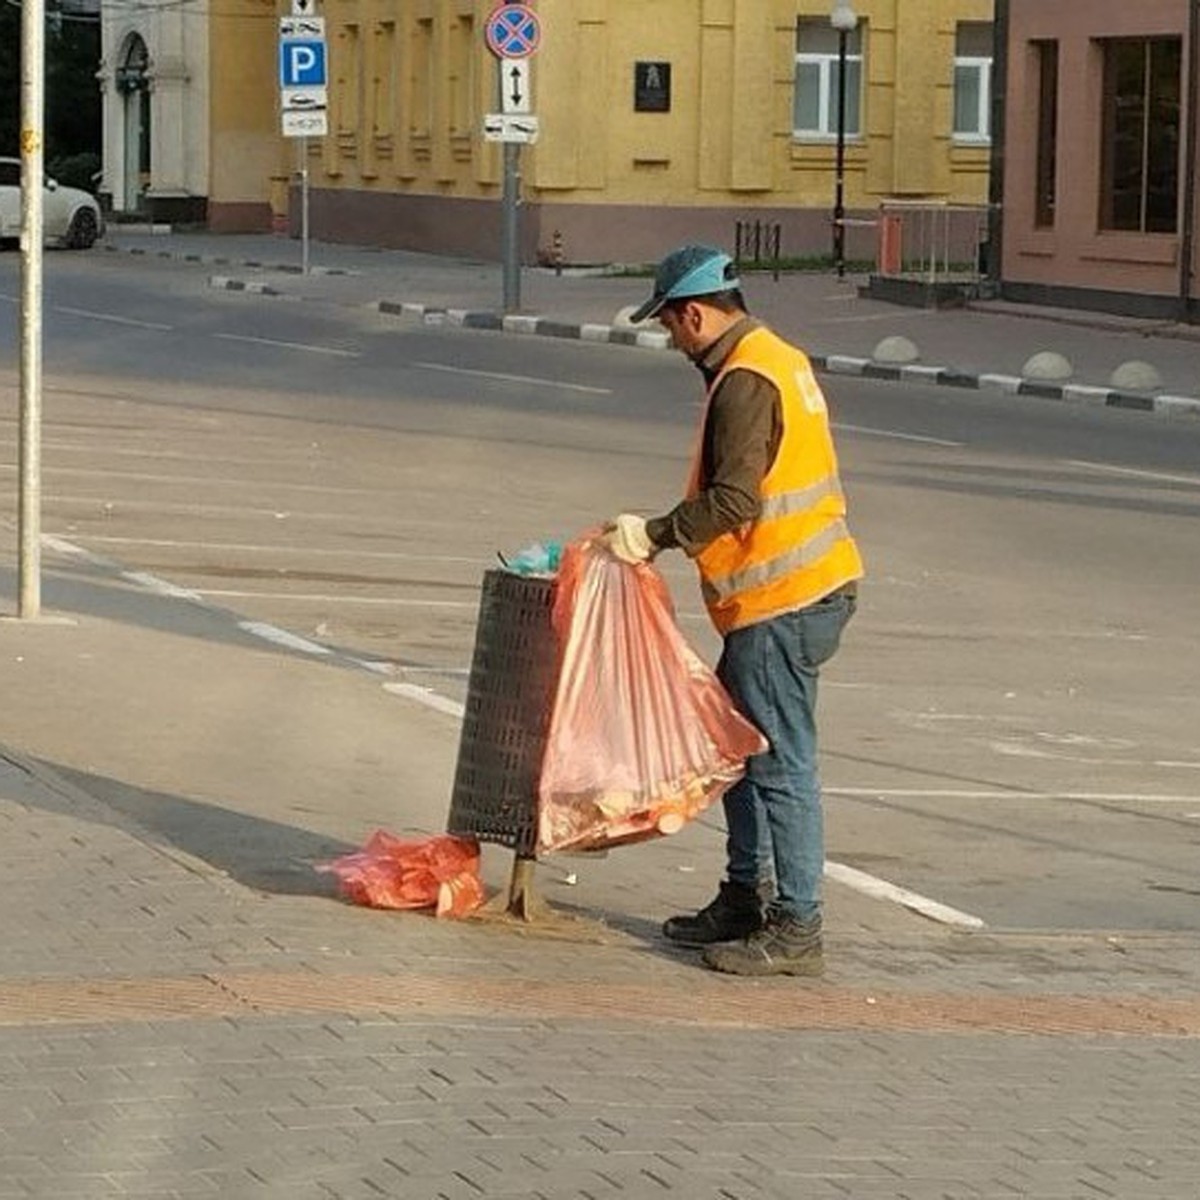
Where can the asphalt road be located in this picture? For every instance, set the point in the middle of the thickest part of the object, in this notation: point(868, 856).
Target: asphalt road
point(1011, 727)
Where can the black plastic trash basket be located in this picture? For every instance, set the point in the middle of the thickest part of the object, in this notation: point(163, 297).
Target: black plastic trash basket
point(509, 697)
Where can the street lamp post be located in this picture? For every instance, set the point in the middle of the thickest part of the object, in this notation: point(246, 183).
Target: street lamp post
point(845, 20)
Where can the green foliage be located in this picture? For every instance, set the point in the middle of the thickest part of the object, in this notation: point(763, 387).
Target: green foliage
point(75, 170)
point(72, 93)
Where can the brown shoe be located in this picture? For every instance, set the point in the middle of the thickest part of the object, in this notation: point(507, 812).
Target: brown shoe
point(784, 946)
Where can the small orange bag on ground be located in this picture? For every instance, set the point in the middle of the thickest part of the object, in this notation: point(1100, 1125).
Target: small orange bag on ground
point(439, 872)
point(642, 734)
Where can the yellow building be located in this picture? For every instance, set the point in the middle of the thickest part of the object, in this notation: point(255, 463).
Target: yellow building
point(660, 121)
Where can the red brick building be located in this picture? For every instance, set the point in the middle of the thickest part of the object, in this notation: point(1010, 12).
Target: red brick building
point(1097, 173)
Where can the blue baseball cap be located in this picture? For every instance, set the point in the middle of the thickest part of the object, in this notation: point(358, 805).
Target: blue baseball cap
point(689, 271)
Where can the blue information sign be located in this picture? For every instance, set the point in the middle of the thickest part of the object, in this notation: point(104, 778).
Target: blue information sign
point(513, 31)
point(301, 62)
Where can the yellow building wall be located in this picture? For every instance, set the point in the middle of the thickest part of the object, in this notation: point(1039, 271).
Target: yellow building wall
point(410, 81)
point(246, 152)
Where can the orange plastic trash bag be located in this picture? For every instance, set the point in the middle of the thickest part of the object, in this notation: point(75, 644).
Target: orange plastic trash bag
point(439, 872)
point(642, 734)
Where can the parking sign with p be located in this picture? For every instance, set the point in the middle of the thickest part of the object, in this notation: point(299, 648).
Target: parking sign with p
point(302, 62)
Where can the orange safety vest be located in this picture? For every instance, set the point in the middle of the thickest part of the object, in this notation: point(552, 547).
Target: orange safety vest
point(798, 549)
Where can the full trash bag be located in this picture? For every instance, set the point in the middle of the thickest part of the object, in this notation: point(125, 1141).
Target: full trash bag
point(642, 734)
point(439, 872)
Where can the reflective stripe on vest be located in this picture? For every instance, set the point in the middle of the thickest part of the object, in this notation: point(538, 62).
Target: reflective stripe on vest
point(805, 555)
point(798, 549)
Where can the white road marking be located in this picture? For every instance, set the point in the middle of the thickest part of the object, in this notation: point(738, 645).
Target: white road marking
point(111, 318)
point(61, 546)
point(427, 697)
point(205, 480)
point(1134, 473)
point(871, 885)
point(160, 587)
point(307, 551)
point(281, 637)
point(853, 793)
point(554, 383)
point(891, 433)
point(309, 598)
point(108, 505)
point(257, 341)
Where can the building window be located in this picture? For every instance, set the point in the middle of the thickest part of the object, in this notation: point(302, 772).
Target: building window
point(973, 82)
point(1047, 133)
point(815, 106)
point(1139, 181)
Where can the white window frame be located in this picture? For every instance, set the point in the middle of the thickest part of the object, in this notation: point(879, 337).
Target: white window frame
point(826, 64)
point(982, 134)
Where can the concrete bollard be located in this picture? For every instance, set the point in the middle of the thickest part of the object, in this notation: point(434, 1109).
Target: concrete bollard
point(1136, 376)
point(896, 351)
point(1048, 367)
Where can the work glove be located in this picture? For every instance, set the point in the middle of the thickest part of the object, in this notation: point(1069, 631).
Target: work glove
point(626, 538)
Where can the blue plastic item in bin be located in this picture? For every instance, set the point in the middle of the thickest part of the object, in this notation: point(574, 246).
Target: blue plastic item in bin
point(541, 558)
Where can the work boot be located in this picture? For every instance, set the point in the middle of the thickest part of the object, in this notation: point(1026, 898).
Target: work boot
point(783, 946)
point(736, 913)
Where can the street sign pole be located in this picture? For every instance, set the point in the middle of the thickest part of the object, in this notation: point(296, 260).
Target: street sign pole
point(29, 469)
point(512, 227)
point(303, 95)
point(512, 33)
point(304, 205)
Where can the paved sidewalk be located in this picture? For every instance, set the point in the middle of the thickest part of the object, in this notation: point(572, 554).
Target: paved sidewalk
point(186, 1010)
point(987, 345)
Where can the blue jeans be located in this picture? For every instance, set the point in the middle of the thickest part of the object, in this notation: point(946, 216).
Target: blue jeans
point(773, 813)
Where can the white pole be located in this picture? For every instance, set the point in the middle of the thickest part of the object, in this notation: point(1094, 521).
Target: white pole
point(29, 470)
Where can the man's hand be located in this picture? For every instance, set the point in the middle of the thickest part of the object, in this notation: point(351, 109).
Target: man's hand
point(626, 538)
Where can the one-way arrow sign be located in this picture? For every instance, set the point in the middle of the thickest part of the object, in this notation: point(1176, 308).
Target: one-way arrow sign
point(514, 85)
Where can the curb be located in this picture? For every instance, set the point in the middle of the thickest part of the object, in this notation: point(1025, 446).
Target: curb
point(827, 364)
point(648, 339)
point(219, 261)
point(1013, 385)
point(228, 284)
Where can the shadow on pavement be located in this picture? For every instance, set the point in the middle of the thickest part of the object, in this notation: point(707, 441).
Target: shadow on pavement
point(260, 854)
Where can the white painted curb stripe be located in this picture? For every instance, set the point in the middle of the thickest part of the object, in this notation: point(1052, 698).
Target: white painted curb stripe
point(1177, 404)
point(1086, 394)
point(843, 365)
point(518, 324)
point(880, 889)
point(653, 340)
point(1006, 383)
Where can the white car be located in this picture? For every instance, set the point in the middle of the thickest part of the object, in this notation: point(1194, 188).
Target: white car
point(72, 217)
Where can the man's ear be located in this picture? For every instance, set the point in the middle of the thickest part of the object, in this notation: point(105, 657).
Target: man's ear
point(692, 316)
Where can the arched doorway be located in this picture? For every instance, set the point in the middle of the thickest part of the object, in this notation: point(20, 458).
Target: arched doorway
point(133, 86)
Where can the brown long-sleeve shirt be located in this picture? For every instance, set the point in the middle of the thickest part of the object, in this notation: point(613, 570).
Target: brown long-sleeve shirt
point(741, 438)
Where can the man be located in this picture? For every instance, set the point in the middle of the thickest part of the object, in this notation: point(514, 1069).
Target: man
point(764, 518)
